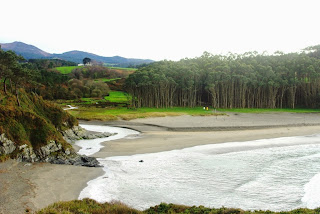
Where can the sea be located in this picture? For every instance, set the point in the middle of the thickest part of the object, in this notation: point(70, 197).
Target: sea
point(270, 174)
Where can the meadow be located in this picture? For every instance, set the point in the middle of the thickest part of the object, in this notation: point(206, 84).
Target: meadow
point(67, 69)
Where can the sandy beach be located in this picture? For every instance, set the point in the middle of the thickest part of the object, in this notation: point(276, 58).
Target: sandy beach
point(34, 186)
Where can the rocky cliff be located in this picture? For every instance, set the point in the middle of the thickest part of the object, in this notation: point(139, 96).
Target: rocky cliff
point(39, 131)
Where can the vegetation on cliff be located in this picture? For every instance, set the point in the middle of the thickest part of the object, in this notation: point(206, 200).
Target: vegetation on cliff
point(34, 123)
point(90, 206)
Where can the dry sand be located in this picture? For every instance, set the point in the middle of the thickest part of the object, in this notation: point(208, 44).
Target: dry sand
point(34, 186)
point(26, 186)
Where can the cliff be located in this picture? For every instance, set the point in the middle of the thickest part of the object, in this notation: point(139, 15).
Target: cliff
point(36, 131)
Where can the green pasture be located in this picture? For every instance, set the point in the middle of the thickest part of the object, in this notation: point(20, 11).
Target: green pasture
point(118, 97)
point(265, 110)
point(67, 69)
point(115, 113)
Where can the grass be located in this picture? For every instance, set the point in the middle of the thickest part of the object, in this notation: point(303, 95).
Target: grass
point(118, 97)
point(105, 114)
point(67, 69)
point(263, 110)
point(89, 206)
point(115, 113)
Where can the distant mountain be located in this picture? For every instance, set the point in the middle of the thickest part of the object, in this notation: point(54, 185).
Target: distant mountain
point(25, 50)
point(32, 52)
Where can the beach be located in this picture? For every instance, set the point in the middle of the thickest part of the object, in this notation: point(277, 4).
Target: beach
point(34, 186)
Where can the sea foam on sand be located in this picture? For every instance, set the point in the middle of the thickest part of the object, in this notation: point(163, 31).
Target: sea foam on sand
point(275, 174)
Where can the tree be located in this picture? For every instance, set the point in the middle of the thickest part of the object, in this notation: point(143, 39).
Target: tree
point(86, 61)
point(9, 62)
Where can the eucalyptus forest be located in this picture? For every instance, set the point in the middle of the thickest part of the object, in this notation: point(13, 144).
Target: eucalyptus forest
point(249, 80)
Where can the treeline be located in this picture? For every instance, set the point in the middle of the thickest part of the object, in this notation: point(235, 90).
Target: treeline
point(250, 80)
point(50, 63)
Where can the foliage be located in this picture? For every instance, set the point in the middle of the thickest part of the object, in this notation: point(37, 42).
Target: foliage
point(250, 80)
point(87, 206)
point(96, 72)
point(50, 63)
point(107, 80)
point(35, 122)
point(87, 88)
point(92, 207)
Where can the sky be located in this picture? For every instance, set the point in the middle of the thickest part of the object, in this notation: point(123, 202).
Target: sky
point(161, 29)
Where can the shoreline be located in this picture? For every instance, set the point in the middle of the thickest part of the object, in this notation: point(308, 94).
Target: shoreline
point(35, 186)
point(161, 141)
point(172, 133)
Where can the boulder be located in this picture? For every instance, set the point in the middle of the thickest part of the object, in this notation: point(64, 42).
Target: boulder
point(78, 133)
point(6, 145)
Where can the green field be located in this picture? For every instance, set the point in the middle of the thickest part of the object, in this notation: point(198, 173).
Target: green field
point(67, 69)
point(118, 97)
point(115, 113)
point(264, 110)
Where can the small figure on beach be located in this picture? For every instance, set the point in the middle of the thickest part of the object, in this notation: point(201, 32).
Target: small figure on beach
point(141, 161)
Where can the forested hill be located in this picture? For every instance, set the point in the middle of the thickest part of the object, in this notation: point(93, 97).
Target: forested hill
point(250, 80)
point(32, 52)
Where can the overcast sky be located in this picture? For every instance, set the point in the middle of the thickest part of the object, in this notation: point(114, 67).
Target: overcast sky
point(161, 29)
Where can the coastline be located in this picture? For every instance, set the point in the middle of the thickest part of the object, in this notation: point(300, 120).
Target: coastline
point(35, 186)
point(160, 141)
point(171, 133)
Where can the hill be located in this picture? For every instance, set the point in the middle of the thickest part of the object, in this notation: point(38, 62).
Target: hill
point(78, 56)
point(25, 50)
point(32, 52)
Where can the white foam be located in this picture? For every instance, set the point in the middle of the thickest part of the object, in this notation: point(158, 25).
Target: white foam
point(264, 174)
point(311, 198)
point(90, 147)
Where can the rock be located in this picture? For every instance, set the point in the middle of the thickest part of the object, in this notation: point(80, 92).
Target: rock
point(6, 145)
point(78, 133)
point(67, 152)
point(86, 161)
point(52, 152)
point(27, 154)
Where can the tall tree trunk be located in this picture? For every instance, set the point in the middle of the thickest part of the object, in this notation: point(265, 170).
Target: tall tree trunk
point(17, 96)
point(4, 85)
point(11, 86)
